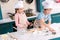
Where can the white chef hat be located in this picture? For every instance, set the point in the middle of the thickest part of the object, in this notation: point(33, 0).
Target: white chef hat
point(19, 4)
point(47, 4)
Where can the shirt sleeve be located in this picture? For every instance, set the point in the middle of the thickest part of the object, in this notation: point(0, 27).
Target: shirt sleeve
point(16, 21)
point(49, 18)
point(40, 16)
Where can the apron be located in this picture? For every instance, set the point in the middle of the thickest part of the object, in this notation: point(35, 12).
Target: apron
point(21, 29)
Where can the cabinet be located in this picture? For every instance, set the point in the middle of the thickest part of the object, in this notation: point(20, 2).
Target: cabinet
point(39, 6)
point(6, 27)
point(0, 13)
point(55, 18)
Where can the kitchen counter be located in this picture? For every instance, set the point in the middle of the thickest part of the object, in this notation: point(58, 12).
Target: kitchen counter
point(7, 20)
point(6, 25)
point(36, 35)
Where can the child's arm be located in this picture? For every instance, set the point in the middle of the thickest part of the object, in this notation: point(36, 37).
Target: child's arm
point(49, 22)
point(46, 25)
point(16, 21)
point(28, 22)
point(42, 22)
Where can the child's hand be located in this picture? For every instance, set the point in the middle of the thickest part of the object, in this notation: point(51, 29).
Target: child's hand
point(31, 24)
point(28, 23)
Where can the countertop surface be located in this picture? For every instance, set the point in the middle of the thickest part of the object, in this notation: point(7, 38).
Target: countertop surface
point(36, 35)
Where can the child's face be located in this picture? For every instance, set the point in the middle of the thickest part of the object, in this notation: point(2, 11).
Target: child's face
point(47, 11)
point(21, 10)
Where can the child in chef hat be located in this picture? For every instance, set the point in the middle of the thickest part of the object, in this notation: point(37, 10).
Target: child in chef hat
point(20, 17)
point(45, 15)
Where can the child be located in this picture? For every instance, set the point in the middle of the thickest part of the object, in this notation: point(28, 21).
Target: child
point(43, 17)
point(20, 17)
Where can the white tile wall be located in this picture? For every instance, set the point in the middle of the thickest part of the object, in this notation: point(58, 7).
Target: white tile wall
point(9, 7)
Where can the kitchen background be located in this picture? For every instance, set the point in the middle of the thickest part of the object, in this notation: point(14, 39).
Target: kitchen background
point(31, 7)
point(8, 7)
